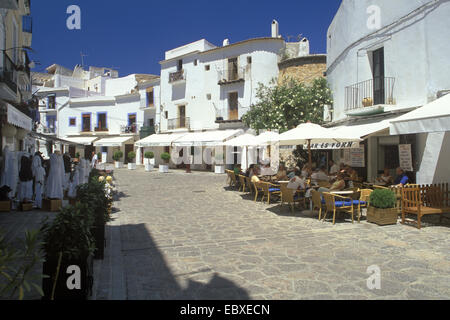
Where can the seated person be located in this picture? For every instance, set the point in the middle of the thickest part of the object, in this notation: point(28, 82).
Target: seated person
point(306, 171)
point(338, 185)
point(266, 170)
point(282, 173)
point(334, 169)
point(291, 173)
point(401, 179)
point(319, 175)
point(237, 170)
point(385, 178)
point(249, 171)
point(254, 176)
point(296, 182)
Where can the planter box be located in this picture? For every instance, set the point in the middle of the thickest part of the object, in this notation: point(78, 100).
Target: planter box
point(62, 292)
point(132, 166)
point(118, 164)
point(5, 206)
point(219, 169)
point(26, 207)
point(51, 205)
point(163, 168)
point(148, 167)
point(100, 241)
point(382, 217)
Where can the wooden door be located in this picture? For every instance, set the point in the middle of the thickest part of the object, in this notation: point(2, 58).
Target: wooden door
point(233, 113)
point(182, 116)
point(128, 148)
point(378, 77)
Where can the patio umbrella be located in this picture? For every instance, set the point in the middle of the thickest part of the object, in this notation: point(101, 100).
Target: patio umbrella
point(265, 138)
point(308, 133)
point(244, 140)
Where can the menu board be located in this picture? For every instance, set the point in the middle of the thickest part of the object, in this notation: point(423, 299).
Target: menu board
point(355, 157)
point(405, 157)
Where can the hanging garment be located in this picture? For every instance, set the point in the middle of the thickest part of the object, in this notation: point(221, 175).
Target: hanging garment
point(87, 170)
point(74, 181)
point(54, 186)
point(10, 171)
point(81, 172)
point(37, 162)
point(39, 186)
point(67, 171)
point(25, 192)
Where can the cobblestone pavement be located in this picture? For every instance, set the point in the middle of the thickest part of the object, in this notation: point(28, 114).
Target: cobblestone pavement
point(185, 236)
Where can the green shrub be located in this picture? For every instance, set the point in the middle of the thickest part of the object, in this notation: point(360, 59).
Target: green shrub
point(383, 199)
point(77, 155)
point(149, 155)
point(99, 156)
point(94, 195)
point(131, 155)
point(165, 156)
point(117, 155)
point(70, 233)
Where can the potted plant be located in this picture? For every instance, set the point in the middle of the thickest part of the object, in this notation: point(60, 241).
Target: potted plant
point(381, 209)
point(148, 157)
point(99, 157)
point(68, 246)
point(164, 168)
point(219, 167)
point(77, 157)
point(117, 156)
point(95, 196)
point(131, 163)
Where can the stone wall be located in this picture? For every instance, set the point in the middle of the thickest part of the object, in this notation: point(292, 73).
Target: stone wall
point(304, 69)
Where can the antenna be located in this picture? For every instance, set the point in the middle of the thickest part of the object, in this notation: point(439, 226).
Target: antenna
point(82, 58)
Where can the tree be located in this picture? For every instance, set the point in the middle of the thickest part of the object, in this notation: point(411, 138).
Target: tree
point(285, 106)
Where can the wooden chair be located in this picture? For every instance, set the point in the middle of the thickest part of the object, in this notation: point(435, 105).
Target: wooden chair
point(317, 201)
point(258, 187)
point(287, 196)
point(269, 188)
point(323, 184)
point(336, 203)
point(363, 201)
point(249, 184)
point(232, 181)
point(242, 183)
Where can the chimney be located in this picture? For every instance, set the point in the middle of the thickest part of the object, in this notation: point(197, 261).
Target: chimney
point(275, 29)
point(226, 42)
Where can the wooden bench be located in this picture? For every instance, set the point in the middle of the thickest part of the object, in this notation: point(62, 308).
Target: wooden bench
point(424, 200)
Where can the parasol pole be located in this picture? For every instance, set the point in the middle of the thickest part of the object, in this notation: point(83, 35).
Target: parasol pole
point(309, 154)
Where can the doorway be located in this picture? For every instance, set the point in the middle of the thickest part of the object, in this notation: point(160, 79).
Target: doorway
point(378, 76)
point(128, 148)
point(233, 105)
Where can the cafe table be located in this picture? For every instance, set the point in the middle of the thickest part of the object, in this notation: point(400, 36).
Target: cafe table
point(343, 193)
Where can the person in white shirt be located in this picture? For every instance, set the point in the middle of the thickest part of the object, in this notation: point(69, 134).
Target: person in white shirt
point(334, 168)
point(320, 175)
point(94, 160)
point(296, 182)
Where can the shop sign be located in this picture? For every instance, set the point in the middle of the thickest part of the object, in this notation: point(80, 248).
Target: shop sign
point(405, 157)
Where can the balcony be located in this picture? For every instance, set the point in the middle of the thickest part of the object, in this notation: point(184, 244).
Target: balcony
point(101, 129)
point(369, 97)
point(231, 76)
point(146, 131)
point(46, 130)
point(8, 73)
point(178, 123)
point(130, 129)
point(177, 77)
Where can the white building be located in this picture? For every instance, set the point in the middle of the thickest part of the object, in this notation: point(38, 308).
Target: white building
point(205, 87)
point(385, 58)
point(97, 109)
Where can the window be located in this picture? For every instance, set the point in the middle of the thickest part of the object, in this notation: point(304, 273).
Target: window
point(195, 62)
point(151, 122)
point(51, 124)
point(179, 65)
point(207, 67)
point(249, 60)
point(166, 114)
point(72, 122)
point(51, 102)
point(208, 96)
point(131, 119)
point(150, 97)
point(232, 69)
point(86, 122)
point(102, 121)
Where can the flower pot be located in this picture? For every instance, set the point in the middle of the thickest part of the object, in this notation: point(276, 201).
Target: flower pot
point(62, 292)
point(132, 166)
point(163, 168)
point(148, 167)
point(152, 161)
point(382, 217)
point(219, 169)
point(118, 164)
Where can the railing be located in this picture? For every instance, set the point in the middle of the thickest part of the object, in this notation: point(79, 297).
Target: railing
point(146, 131)
point(8, 73)
point(101, 129)
point(46, 130)
point(128, 129)
point(369, 93)
point(177, 76)
point(231, 76)
point(178, 123)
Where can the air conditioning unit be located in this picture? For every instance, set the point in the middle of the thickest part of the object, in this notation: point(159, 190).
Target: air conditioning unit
point(327, 113)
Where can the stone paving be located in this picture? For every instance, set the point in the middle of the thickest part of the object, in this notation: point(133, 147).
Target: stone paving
point(186, 236)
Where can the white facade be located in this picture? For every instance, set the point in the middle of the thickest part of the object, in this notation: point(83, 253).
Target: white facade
point(202, 66)
point(412, 37)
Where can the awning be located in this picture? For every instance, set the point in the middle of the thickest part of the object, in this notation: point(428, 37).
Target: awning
point(18, 119)
point(86, 141)
point(113, 142)
point(433, 117)
point(244, 140)
point(363, 130)
point(207, 138)
point(159, 140)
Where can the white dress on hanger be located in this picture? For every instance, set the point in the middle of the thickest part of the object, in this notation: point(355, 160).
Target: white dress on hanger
point(25, 191)
point(10, 171)
point(74, 183)
point(39, 179)
point(54, 186)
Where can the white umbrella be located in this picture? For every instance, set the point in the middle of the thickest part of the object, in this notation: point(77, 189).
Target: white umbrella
point(308, 133)
point(241, 141)
point(265, 138)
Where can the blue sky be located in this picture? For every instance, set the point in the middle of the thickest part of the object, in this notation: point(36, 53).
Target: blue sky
point(133, 35)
